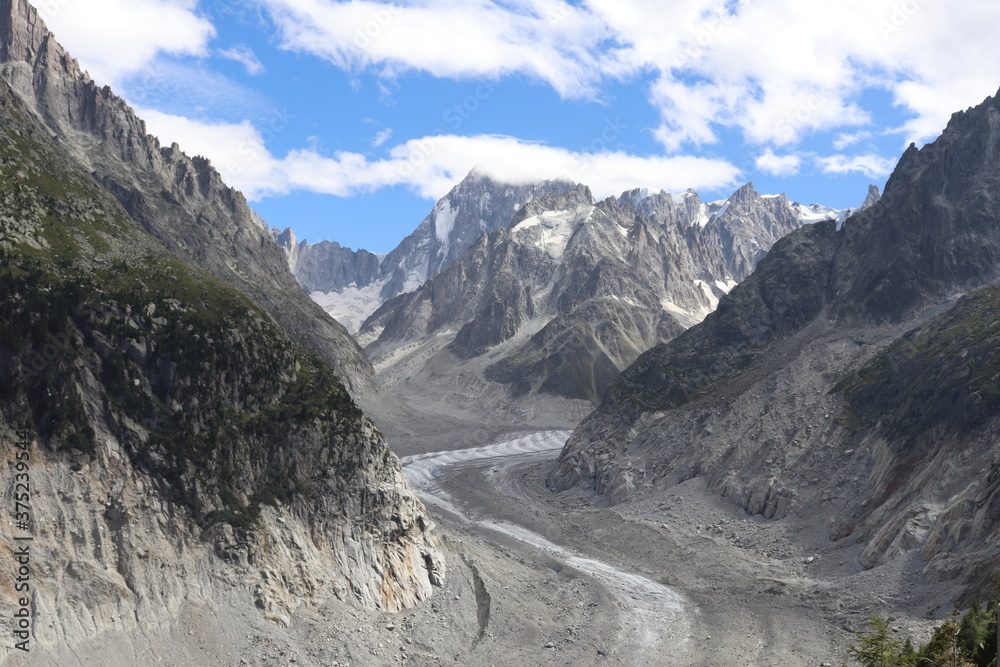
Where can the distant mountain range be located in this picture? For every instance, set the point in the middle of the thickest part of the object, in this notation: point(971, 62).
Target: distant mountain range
point(350, 284)
point(524, 290)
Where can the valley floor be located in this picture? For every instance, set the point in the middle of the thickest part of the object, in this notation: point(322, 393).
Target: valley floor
point(681, 578)
point(535, 578)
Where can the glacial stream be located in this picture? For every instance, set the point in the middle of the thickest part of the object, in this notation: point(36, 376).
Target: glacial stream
point(654, 619)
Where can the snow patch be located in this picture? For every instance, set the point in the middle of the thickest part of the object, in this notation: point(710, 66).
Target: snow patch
point(686, 318)
point(352, 305)
point(444, 221)
point(713, 300)
point(722, 211)
point(818, 213)
point(414, 279)
point(703, 218)
point(727, 286)
point(552, 230)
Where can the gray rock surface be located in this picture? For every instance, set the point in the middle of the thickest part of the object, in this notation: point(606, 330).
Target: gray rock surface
point(554, 306)
point(182, 201)
point(844, 379)
point(183, 448)
point(351, 285)
point(327, 266)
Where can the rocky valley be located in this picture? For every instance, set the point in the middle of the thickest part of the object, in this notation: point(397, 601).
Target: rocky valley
point(545, 429)
point(537, 316)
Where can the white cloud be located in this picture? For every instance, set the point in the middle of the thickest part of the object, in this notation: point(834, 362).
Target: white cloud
point(874, 166)
point(244, 55)
point(431, 165)
point(845, 140)
point(382, 137)
point(779, 165)
point(114, 38)
point(778, 70)
point(546, 39)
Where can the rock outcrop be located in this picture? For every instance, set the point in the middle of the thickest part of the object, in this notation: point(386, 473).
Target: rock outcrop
point(845, 379)
point(181, 445)
point(327, 266)
point(559, 302)
point(180, 200)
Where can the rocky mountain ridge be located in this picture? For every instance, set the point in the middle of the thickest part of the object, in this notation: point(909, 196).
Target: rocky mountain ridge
point(570, 293)
point(847, 378)
point(350, 284)
point(178, 199)
point(186, 451)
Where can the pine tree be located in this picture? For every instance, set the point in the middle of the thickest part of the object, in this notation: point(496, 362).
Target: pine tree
point(945, 649)
point(877, 648)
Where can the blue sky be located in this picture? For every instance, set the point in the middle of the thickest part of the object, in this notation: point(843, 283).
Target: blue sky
point(347, 120)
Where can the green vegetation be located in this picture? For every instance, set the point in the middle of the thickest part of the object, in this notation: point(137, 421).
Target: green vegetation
point(943, 374)
point(877, 648)
point(969, 641)
point(102, 329)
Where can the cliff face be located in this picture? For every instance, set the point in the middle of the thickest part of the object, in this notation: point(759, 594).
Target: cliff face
point(571, 292)
point(183, 445)
point(327, 266)
point(352, 284)
point(181, 201)
point(845, 379)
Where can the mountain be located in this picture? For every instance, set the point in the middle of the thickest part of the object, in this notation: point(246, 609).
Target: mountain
point(350, 285)
point(188, 443)
point(851, 378)
point(554, 305)
point(180, 200)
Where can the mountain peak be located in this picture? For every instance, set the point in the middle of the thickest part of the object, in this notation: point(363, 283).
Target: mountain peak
point(874, 195)
point(746, 192)
point(479, 178)
point(24, 37)
point(554, 201)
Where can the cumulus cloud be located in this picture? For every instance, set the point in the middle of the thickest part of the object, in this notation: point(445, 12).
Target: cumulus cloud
point(779, 165)
point(114, 38)
point(777, 70)
point(873, 166)
point(430, 164)
point(546, 39)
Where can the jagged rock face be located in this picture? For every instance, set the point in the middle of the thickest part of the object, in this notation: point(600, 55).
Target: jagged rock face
point(179, 200)
point(183, 446)
point(574, 290)
point(474, 207)
point(936, 230)
point(788, 400)
point(351, 285)
point(327, 266)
